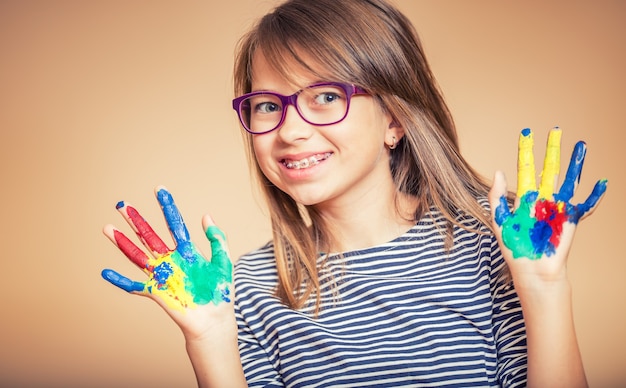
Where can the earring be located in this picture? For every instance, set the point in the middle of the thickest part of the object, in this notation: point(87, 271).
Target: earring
point(394, 144)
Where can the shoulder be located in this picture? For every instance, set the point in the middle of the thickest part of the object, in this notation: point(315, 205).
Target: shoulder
point(259, 256)
point(463, 221)
point(472, 221)
point(256, 269)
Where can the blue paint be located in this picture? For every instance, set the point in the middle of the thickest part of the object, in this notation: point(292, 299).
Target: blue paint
point(120, 205)
point(225, 293)
point(162, 272)
point(502, 211)
point(176, 224)
point(122, 282)
point(540, 236)
point(598, 191)
point(531, 197)
point(188, 251)
point(534, 229)
point(576, 212)
point(572, 177)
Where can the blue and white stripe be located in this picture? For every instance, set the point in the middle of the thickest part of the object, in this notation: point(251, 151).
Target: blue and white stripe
point(404, 313)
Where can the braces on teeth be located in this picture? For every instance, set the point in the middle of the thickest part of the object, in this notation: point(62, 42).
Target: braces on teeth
point(308, 162)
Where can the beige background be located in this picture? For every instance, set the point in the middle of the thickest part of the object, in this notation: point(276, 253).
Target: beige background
point(103, 100)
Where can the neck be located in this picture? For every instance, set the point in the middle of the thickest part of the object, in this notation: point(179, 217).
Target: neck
point(368, 222)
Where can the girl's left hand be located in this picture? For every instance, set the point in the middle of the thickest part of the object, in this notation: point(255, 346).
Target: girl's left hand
point(536, 237)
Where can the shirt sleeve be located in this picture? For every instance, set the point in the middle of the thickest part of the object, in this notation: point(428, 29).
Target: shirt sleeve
point(508, 324)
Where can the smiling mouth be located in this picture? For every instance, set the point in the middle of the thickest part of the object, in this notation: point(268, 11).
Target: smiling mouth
point(306, 162)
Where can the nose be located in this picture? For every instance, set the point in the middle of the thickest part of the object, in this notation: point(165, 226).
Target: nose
point(294, 127)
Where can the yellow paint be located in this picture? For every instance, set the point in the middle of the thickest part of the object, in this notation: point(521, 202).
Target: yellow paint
point(173, 293)
point(551, 164)
point(525, 164)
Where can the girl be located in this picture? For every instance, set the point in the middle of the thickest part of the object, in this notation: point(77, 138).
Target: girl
point(386, 267)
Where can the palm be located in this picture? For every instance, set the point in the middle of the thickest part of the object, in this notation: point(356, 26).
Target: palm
point(190, 288)
point(543, 224)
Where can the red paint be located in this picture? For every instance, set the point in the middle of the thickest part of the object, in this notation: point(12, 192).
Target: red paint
point(548, 211)
point(131, 250)
point(146, 233)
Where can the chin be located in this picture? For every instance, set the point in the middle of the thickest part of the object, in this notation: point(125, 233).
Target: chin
point(306, 200)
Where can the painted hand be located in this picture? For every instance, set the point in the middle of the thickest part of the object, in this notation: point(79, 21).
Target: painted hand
point(535, 229)
point(180, 278)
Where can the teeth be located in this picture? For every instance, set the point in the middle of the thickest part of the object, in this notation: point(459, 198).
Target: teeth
point(307, 162)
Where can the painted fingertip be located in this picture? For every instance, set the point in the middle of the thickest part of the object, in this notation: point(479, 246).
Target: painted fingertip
point(121, 281)
point(599, 189)
point(580, 149)
point(120, 205)
point(526, 179)
point(554, 136)
point(551, 164)
point(596, 195)
point(174, 219)
point(164, 197)
point(577, 161)
point(161, 190)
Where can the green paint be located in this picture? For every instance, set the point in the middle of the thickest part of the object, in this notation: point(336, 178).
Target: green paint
point(516, 229)
point(206, 281)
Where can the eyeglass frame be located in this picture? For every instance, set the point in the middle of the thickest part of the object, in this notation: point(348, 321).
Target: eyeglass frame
point(349, 89)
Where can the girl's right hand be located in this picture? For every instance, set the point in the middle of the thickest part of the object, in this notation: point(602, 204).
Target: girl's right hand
point(195, 292)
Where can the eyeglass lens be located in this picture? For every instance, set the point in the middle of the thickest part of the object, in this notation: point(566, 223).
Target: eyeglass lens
point(319, 105)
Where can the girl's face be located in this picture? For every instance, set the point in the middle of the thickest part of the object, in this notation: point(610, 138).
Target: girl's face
point(325, 166)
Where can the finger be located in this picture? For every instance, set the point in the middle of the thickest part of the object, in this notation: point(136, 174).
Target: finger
point(572, 178)
point(217, 238)
point(586, 208)
point(497, 199)
point(172, 216)
point(525, 163)
point(122, 282)
point(130, 250)
point(551, 165)
point(143, 230)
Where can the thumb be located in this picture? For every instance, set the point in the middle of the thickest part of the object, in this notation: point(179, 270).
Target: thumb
point(216, 236)
point(498, 189)
point(498, 200)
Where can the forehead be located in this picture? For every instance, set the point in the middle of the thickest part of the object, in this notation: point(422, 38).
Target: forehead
point(281, 72)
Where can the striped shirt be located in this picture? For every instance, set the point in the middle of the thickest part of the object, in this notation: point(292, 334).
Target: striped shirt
point(404, 313)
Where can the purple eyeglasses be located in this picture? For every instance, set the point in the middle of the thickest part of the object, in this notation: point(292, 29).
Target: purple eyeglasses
point(323, 103)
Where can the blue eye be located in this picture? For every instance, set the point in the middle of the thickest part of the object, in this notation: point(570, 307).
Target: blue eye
point(267, 107)
point(326, 98)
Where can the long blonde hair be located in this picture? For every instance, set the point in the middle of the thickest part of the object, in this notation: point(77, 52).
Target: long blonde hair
point(371, 44)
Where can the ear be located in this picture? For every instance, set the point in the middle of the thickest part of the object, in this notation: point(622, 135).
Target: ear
point(394, 132)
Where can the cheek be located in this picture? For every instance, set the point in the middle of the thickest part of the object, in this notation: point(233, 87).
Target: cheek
point(259, 147)
point(368, 120)
point(262, 152)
